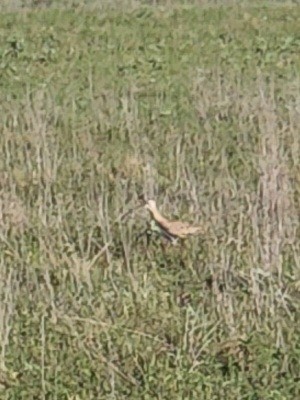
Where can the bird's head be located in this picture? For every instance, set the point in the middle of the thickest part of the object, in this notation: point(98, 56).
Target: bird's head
point(150, 205)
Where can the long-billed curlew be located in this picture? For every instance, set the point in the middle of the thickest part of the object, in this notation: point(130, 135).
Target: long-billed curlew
point(172, 230)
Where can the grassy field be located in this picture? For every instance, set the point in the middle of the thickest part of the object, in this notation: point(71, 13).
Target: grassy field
point(197, 107)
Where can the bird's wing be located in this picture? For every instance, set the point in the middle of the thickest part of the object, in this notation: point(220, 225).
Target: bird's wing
point(184, 228)
point(195, 229)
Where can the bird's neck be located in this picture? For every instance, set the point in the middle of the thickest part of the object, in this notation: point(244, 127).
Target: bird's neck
point(158, 217)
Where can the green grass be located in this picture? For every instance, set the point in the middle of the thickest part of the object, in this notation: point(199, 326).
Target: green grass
point(197, 107)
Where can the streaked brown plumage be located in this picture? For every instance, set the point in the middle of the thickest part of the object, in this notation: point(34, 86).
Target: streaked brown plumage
point(172, 229)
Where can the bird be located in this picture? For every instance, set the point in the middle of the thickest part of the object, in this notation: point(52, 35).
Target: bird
point(172, 230)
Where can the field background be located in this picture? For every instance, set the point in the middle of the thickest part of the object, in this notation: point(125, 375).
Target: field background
point(196, 105)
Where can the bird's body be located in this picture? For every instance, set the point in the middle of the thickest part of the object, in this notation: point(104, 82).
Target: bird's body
point(172, 229)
